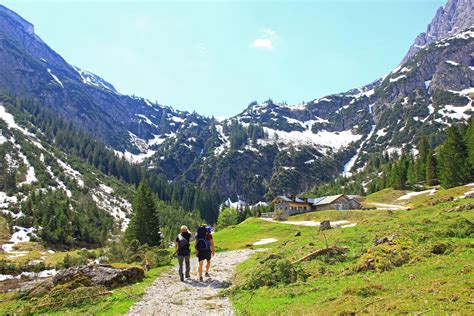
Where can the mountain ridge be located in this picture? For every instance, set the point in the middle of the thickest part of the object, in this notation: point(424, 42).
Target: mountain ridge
point(288, 148)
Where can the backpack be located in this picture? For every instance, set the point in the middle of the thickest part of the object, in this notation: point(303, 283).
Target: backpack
point(201, 239)
point(182, 242)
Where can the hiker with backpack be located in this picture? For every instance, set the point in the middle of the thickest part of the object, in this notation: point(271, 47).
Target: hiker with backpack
point(183, 251)
point(204, 245)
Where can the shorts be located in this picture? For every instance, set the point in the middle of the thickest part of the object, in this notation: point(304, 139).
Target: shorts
point(204, 255)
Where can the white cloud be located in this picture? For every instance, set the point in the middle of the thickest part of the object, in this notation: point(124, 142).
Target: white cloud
point(262, 43)
point(269, 32)
point(266, 40)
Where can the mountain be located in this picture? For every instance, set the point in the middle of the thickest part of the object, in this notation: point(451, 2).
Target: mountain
point(29, 67)
point(455, 16)
point(269, 148)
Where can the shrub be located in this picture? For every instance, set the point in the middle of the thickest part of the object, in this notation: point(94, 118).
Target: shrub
point(227, 217)
point(275, 272)
point(384, 257)
point(280, 215)
point(364, 291)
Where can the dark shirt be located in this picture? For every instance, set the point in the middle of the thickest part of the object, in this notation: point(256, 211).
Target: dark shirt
point(184, 250)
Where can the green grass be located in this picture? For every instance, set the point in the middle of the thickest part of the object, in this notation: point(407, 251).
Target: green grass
point(252, 230)
point(426, 282)
point(389, 196)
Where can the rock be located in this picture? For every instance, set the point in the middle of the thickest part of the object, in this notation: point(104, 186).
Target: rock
point(469, 195)
point(386, 239)
point(100, 275)
point(439, 249)
point(325, 225)
point(462, 208)
point(297, 234)
point(454, 16)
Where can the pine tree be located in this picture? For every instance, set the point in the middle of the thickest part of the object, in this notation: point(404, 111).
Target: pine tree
point(144, 224)
point(431, 172)
point(411, 173)
point(423, 148)
point(452, 160)
point(469, 139)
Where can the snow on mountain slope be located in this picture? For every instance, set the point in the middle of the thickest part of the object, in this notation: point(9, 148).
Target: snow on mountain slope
point(94, 80)
point(39, 166)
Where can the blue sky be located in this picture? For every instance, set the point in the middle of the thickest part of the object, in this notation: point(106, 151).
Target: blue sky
point(217, 57)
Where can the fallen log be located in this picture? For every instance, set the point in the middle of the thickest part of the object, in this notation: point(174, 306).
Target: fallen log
point(334, 250)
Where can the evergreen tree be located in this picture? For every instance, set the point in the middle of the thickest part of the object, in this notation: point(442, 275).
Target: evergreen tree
point(452, 160)
point(411, 173)
point(423, 148)
point(469, 139)
point(144, 224)
point(431, 172)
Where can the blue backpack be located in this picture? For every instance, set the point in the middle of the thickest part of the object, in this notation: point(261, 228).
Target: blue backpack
point(201, 239)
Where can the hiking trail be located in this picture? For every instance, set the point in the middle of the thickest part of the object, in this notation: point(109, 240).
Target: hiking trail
point(169, 296)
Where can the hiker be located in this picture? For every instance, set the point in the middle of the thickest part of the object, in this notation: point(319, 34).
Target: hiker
point(204, 246)
point(183, 251)
point(210, 242)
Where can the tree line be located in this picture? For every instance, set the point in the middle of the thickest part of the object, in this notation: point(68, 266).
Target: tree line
point(449, 164)
point(74, 141)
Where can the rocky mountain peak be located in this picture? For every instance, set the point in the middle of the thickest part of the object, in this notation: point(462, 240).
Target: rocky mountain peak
point(455, 17)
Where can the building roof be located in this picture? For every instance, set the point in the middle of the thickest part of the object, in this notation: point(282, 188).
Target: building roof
point(314, 201)
point(327, 199)
point(285, 198)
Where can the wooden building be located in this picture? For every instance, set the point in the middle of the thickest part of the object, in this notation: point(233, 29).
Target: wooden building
point(295, 205)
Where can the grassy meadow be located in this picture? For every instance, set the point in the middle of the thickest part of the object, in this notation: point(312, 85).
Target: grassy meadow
point(427, 267)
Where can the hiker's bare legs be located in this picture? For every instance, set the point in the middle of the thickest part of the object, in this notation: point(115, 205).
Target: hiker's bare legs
point(208, 265)
point(200, 268)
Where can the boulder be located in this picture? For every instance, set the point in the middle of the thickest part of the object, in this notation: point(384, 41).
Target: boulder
point(386, 239)
point(100, 275)
point(324, 225)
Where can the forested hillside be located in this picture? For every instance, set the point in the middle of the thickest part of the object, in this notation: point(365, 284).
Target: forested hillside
point(269, 148)
point(449, 164)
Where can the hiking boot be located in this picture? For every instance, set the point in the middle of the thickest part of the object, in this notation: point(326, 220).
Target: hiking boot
point(201, 279)
point(207, 275)
point(187, 276)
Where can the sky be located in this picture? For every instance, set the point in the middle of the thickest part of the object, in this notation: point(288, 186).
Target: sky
point(216, 57)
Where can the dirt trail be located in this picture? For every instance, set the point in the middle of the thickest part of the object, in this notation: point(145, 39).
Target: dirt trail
point(169, 296)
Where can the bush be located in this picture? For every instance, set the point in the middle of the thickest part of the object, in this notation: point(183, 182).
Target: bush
point(7, 267)
point(227, 217)
point(280, 215)
point(275, 272)
point(156, 257)
point(70, 261)
point(384, 257)
point(364, 291)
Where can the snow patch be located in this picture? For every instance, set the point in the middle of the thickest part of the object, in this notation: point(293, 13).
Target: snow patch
point(412, 194)
point(427, 84)
point(350, 164)
point(265, 241)
point(397, 78)
point(20, 235)
point(453, 63)
point(55, 78)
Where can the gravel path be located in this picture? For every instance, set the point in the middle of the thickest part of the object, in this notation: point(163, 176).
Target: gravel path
point(169, 296)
